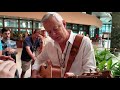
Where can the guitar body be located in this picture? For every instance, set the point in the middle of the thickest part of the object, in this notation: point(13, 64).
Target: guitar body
point(50, 71)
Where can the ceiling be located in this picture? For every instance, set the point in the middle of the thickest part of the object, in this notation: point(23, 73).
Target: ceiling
point(105, 17)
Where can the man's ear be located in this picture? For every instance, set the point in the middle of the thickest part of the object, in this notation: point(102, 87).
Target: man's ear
point(64, 23)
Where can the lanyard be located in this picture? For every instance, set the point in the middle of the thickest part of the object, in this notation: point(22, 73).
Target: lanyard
point(62, 62)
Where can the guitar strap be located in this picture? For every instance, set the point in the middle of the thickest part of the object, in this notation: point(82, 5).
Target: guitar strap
point(74, 51)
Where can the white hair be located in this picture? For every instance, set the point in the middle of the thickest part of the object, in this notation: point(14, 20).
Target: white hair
point(54, 14)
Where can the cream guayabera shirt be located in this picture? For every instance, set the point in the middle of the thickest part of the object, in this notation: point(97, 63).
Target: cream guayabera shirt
point(84, 61)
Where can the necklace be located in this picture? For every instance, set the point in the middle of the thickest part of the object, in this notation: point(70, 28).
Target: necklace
point(62, 62)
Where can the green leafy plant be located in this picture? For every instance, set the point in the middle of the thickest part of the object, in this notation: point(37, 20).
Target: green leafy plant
point(104, 61)
point(116, 70)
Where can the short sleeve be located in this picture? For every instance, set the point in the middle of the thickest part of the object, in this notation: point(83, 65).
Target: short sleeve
point(0, 46)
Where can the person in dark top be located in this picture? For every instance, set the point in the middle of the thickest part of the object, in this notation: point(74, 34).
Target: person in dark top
point(30, 45)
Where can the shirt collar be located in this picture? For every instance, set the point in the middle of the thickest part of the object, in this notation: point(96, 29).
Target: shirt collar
point(72, 37)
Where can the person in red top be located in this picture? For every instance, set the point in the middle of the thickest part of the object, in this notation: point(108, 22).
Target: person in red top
point(96, 37)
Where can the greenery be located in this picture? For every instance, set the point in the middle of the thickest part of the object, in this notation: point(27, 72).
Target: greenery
point(105, 60)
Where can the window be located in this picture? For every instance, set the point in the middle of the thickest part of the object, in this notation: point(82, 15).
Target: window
point(11, 23)
point(15, 31)
point(14, 34)
point(80, 27)
point(110, 27)
point(1, 23)
point(23, 24)
point(105, 28)
point(92, 31)
point(37, 25)
point(22, 33)
point(69, 26)
point(75, 27)
point(29, 31)
point(29, 24)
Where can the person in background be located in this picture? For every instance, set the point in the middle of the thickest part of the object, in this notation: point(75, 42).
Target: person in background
point(30, 45)
point(9, 46)
point(26, 34)
point(97, 37)
point(7, 65)
point(0, 35)
point(58, 50)
point(45, 39)
point(87, 35)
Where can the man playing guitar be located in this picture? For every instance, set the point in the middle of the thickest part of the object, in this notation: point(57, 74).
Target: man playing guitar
point(77, 59)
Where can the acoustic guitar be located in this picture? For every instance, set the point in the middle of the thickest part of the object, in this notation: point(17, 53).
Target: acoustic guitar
point(51, 71)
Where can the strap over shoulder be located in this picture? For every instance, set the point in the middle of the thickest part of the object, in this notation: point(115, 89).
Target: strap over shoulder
point(74, 51)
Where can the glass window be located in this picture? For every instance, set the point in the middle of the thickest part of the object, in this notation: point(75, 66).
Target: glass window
point(1, 23)
point(29, 24)
point(23, 24)
point(36, 25)
point(15, 31)
point(110, 27)
point(11, 23)
point(80, 27)
point(107, 28)
point(100, 31)
point(22, 34)
point(69, 26)
point(23, 31)
point(29, 31)
point(92, 31)
point(103, 28)
point(14, 34)
point(75, 27)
